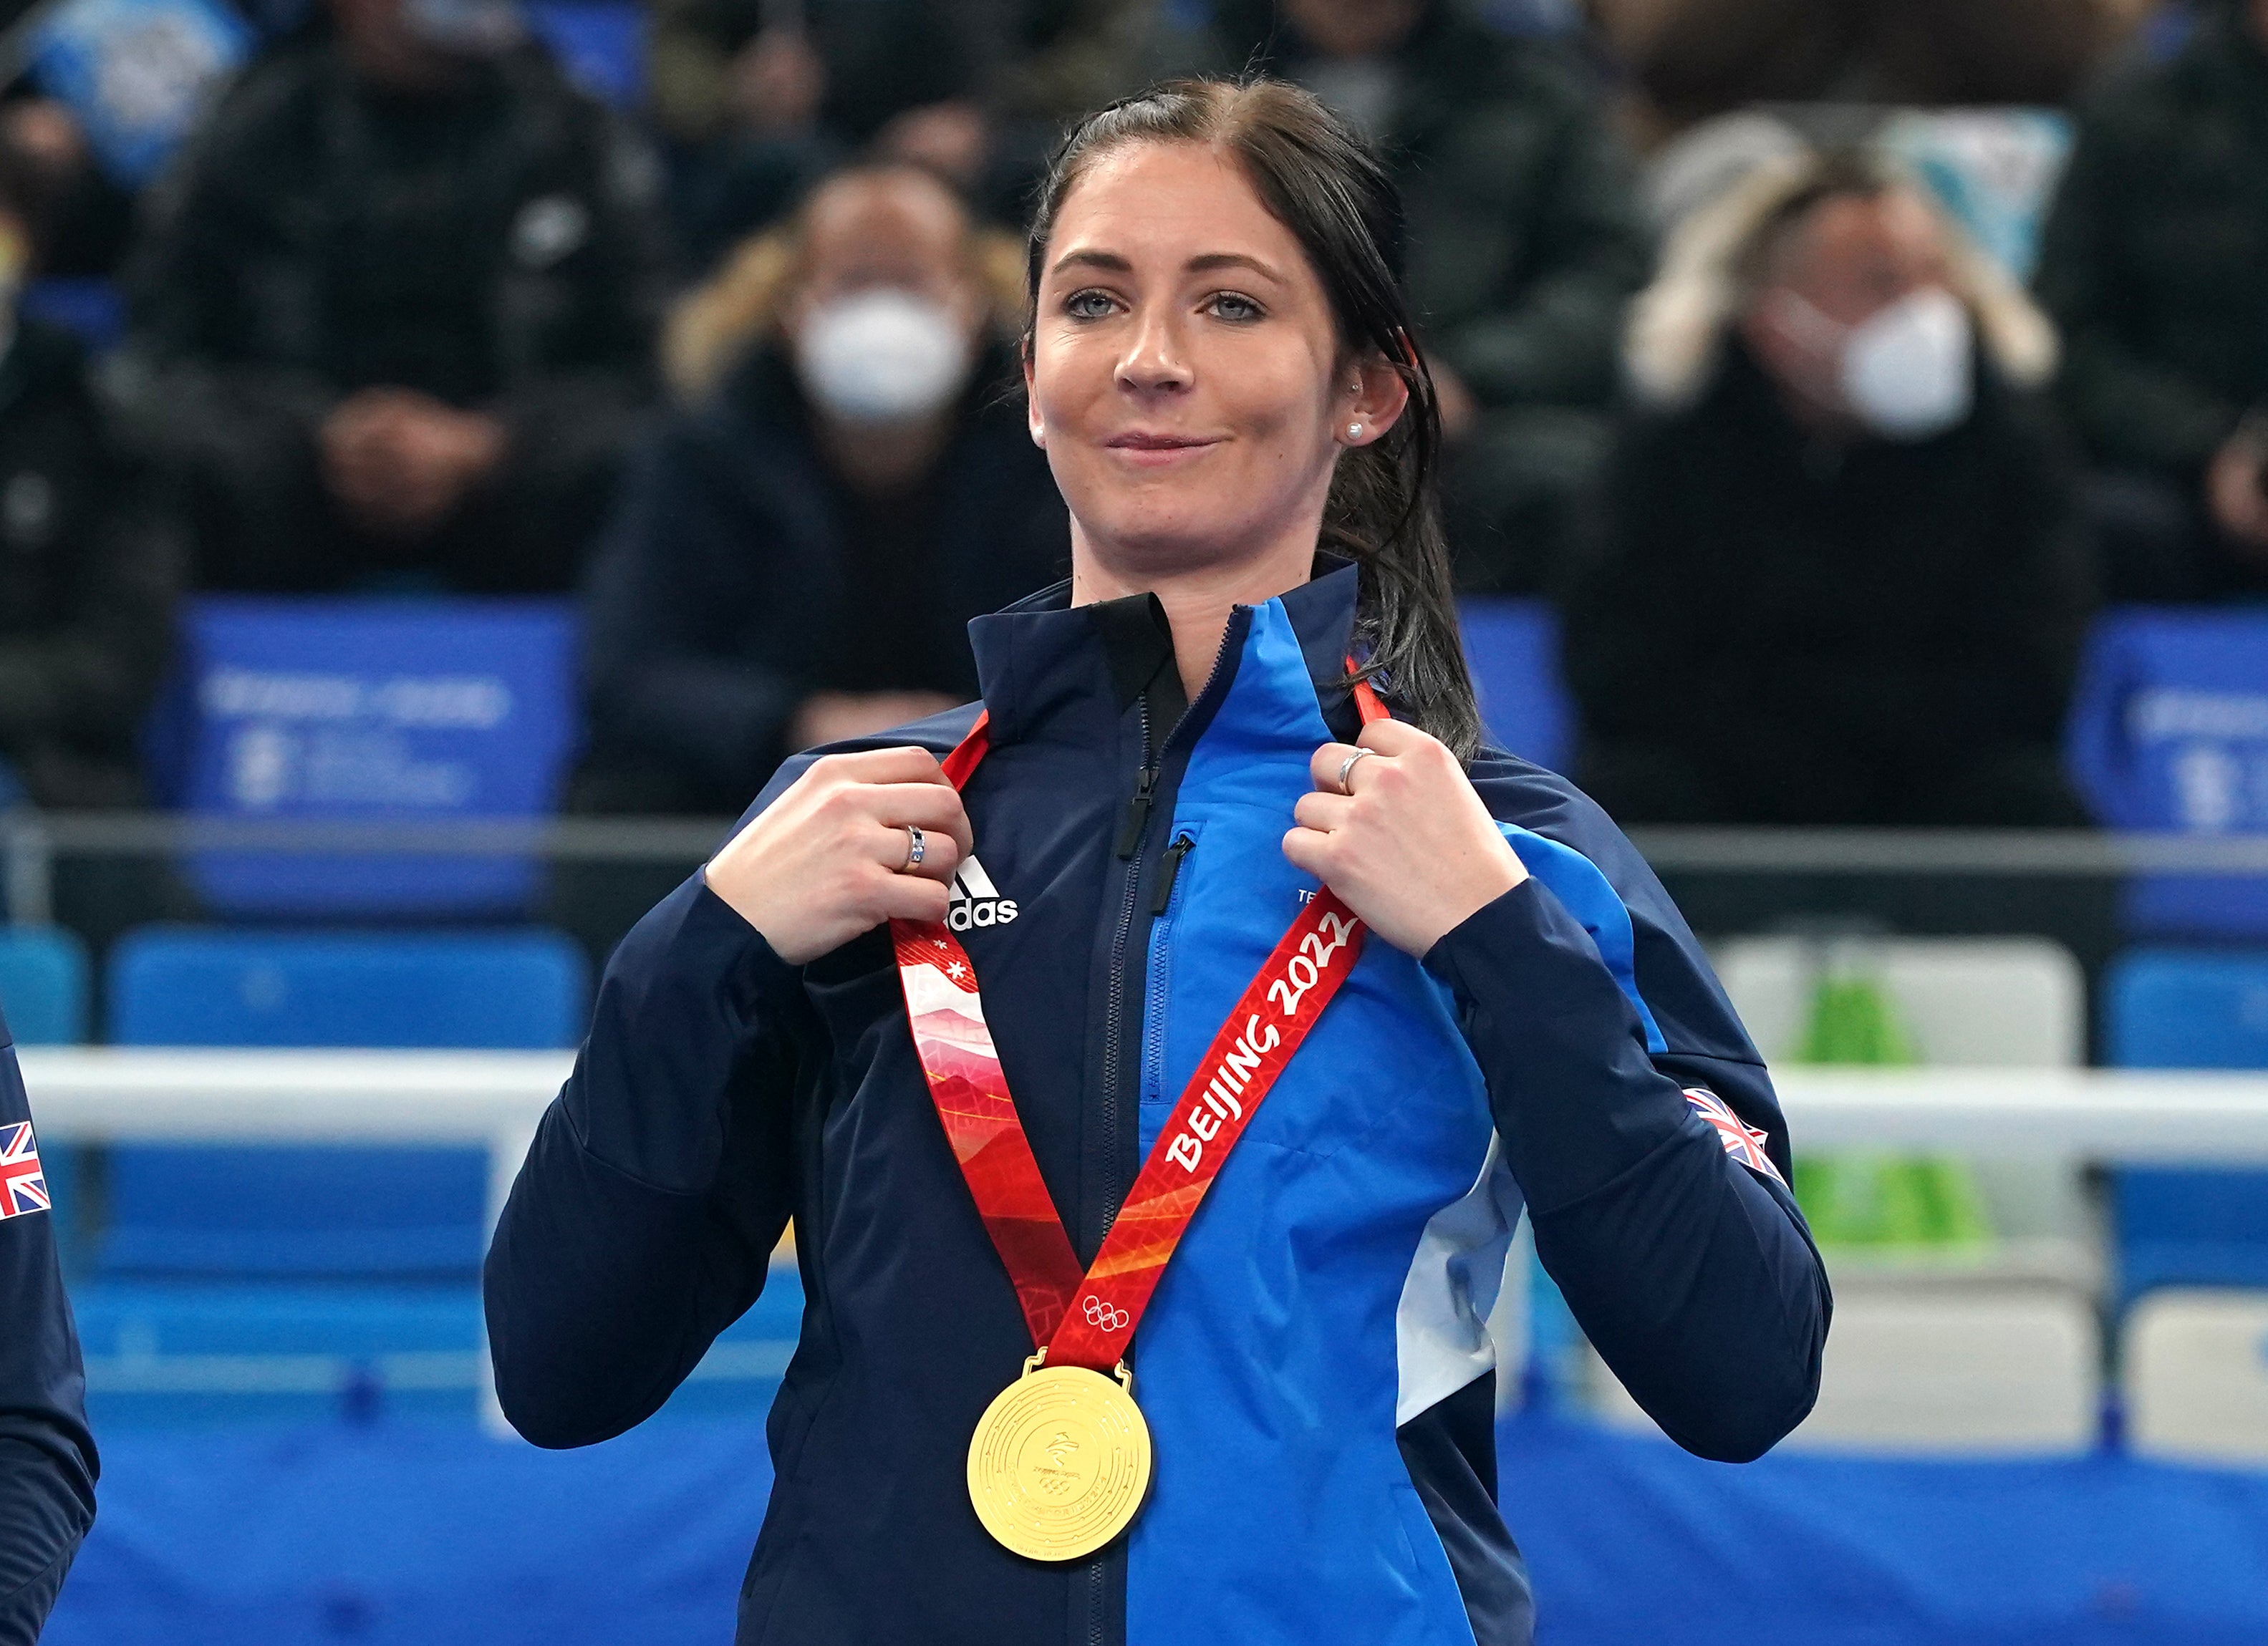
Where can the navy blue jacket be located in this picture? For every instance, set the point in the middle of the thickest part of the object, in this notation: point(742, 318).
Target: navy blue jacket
point(48, 1462)
point(1313, 1364)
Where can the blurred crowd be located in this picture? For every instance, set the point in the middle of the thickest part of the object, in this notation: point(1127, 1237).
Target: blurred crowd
point(1825, 488)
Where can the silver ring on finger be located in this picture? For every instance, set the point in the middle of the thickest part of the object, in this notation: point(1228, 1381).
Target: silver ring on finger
point(1347, 766)
point(917, 848)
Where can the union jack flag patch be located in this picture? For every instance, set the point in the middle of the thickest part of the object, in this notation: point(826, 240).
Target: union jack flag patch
point(1744, 1143)
point(23, 1186)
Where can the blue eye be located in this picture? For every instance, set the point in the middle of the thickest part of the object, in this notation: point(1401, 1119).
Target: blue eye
point(1087, 305)
point(1229, 305)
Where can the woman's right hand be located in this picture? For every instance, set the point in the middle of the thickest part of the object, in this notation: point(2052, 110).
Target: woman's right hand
point(822, 863)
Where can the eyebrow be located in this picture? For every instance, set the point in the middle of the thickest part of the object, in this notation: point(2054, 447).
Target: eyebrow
point(1202, 264)
point(1110, 261)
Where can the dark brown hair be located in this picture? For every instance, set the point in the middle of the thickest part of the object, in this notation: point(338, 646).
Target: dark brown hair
point(1322, 183)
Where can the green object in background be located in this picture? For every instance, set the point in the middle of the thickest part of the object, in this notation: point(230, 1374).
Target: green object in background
point(1884, 1204)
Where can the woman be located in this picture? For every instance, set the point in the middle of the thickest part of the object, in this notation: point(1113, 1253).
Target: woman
point(1171, 770)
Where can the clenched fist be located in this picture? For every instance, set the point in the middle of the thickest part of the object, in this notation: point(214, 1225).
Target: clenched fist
point(827, 860)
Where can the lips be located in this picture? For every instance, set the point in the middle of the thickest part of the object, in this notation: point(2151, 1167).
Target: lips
point(1147, 450)
point(1140, 441)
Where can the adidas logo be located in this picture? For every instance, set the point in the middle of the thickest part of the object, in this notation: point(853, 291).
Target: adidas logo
point(975, 900)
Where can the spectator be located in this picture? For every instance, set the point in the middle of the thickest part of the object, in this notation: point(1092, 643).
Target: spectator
point(393, 317)
point(757, 99)
point(90, 567)
point(1689, 60)
point(2153, 264)
point(1525, 241)
point(1840, 580)
point(795, 557)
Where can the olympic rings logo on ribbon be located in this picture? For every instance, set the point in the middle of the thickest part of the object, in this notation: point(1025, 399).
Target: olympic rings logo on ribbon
point(1103, 1317)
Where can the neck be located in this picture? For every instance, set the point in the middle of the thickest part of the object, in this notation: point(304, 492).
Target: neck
point(1198, 599)
point(395, 61)
point(885, 457)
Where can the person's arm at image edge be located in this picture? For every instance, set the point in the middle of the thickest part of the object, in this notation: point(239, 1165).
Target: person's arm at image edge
point(47, 1461)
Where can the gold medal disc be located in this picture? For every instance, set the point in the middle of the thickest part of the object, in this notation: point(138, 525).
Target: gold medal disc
point(1059, 1463)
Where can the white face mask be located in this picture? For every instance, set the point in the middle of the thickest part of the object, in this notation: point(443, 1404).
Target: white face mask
point(883, 356)
point(1904, 373)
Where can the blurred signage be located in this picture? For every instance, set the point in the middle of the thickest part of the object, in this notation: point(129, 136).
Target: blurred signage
point(137, 72)
point(2170, 730)
point(422, 711)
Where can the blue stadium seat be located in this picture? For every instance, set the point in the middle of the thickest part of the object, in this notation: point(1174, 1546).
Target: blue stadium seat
point(191, 986)
point(43, 985)
point(307, 1211)
point(1512, 647)
point(2174, 1009)
point(2168, 730)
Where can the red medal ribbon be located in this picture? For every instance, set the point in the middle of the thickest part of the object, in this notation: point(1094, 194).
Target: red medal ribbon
point(1087, 1319)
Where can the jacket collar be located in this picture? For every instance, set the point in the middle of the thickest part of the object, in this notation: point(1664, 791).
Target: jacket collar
point(1044, 673)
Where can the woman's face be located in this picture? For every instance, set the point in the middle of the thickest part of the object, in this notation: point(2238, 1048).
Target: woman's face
point(1186, 374)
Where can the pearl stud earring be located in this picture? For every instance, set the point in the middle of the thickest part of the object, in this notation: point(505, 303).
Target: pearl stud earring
point(1354, 431)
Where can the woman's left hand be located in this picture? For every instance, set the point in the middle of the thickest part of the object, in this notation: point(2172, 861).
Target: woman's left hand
point(1408, 845)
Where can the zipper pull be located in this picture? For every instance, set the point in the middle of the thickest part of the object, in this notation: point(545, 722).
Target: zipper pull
point(1137, 814)
point(1170, 867)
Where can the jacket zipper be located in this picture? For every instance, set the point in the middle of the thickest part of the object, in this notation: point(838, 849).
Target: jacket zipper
point(1128, 847)
point(1169, 870)
point(1163, 907)
point(1133, 828)
point(1131, 832)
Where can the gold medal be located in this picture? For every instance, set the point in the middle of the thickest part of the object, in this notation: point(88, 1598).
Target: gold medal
point(1060, 1461)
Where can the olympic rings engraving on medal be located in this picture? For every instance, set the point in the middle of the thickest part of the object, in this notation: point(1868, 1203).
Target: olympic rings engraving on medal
point(1105, 1317)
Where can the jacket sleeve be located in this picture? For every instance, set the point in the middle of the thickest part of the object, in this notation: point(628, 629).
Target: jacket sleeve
point(47, 1461)
point(661, 1179)
point(87, 676)
point(1692, 1274)
point(569, 417)
point(675, 588)
point(1557, 338)
point(2129, 408)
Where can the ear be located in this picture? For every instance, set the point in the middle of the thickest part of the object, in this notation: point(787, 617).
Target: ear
point(1031, 399)
point(1372, 397)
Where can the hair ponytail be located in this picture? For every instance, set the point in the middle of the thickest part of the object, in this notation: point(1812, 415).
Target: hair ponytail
point(1323, 184)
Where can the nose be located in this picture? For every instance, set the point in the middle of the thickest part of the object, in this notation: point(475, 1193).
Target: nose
point(1155, 362)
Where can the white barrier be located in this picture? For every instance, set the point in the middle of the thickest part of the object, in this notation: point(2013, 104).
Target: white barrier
point(143, 1094)
point(92, 1094)
point(494, 1099)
